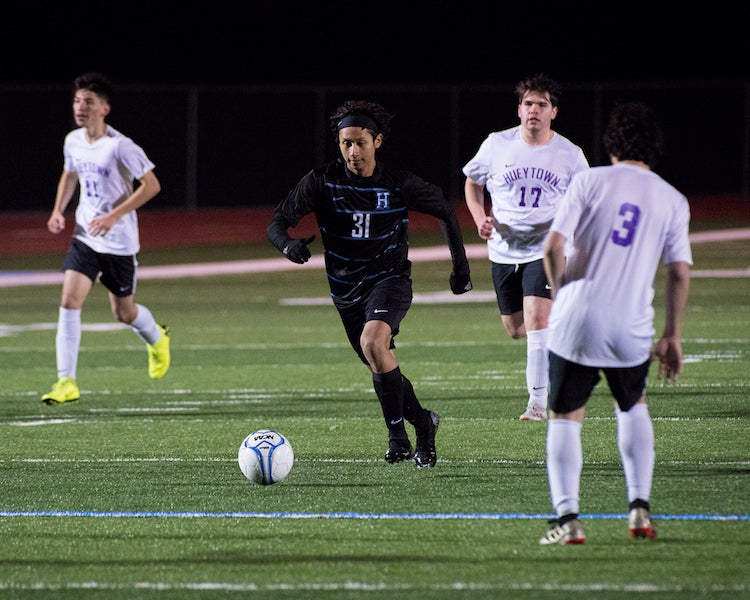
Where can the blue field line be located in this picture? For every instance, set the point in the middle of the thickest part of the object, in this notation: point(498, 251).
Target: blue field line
point(350, 515)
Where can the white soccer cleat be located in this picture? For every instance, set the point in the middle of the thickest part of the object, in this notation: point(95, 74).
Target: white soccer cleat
point(534, 412)
point(570, 533)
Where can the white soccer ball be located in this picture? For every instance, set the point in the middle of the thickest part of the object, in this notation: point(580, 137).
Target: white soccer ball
point(265, 457)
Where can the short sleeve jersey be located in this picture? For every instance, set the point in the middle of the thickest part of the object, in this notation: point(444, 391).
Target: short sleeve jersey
point(525, 184)
point(623, 219)
point(107, 169)
point(364, 222)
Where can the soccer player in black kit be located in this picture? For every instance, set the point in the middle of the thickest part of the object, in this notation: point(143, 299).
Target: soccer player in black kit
point(362, 210)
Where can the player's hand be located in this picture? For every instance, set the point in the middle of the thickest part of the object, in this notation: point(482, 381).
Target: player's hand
point(460, 281)
point(668, 351)
point(296, 249)
point(102, 224)
point(56, 223)
point(486, 228)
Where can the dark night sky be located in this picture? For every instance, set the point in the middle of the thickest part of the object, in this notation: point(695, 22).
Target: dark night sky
point(257, 42)
point(373, 43)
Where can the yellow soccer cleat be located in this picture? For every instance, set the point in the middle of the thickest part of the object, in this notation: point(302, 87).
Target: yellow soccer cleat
point(158, 355)
point(64, 390)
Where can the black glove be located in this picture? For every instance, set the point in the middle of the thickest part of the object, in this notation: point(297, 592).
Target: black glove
point(296, 249)
point(460, 281)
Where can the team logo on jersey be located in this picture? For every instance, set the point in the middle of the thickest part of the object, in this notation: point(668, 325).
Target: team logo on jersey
point(384, 201)
point(519, 173)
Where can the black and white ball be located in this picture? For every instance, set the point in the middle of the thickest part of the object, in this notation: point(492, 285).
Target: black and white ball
point(265, 457)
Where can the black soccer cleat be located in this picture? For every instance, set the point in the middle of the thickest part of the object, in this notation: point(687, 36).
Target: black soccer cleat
point(426, 455)
point(399, 447)
point(398, 453)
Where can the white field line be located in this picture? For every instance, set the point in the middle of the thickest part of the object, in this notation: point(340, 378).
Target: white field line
point(458, 588)
point(269, 265)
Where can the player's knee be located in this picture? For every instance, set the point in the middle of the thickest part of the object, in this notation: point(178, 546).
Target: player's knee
point(515, 327)
point(370, 348)
point(124, 314)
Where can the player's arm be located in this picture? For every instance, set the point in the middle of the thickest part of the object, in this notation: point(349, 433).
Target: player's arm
point(66, 187)
point(460, 278)
point(429, 198)
point(295, 249)
point(148, 187)
point(668, 349)
point(553, 257)
point(474, 196)
point(300, 201)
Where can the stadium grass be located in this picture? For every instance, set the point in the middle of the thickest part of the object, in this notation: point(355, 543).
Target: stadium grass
point(134, 491)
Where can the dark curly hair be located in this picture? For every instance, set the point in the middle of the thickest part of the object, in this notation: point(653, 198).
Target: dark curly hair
point(541, 83)
point(365, 108)
point(94, 82)
point(634, 133)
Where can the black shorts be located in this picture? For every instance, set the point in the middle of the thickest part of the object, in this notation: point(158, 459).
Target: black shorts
point(118, 273)
point(571, 384)
point(513, 282)
point(389, 301)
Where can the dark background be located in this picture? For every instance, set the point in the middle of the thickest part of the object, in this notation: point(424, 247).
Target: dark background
point(265, 75)
point(371, 42)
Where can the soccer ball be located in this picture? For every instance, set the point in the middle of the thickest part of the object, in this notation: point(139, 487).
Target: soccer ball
point(265, 457)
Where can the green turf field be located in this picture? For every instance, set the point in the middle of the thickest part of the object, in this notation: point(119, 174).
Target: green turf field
point(135, 492)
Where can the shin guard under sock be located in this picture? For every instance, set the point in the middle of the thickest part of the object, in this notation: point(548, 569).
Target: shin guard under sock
point(388, 387)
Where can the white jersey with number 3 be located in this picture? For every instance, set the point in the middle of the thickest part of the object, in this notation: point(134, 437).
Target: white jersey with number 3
point(525, 184)
point(106, 172)
point(623, 219)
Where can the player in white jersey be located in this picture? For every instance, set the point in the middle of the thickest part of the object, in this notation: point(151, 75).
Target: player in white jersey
point(525, 170)
point(103, 164)
point(623, 219)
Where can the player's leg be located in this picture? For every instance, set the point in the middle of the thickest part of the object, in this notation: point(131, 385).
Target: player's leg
point(537, 374)
point(537, 303)
point(508, 280)
point(396, 295)
point(76, 287)
point(635, 442)
point(119, 276)
point(509, 293)
point(386, 306)
point(388, 384)
point(80, 269)
point(389, 303)
point(389, 390)
point(570, 388)
point(425, 424)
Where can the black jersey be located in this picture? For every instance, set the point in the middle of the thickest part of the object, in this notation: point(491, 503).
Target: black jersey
point(363, 222)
